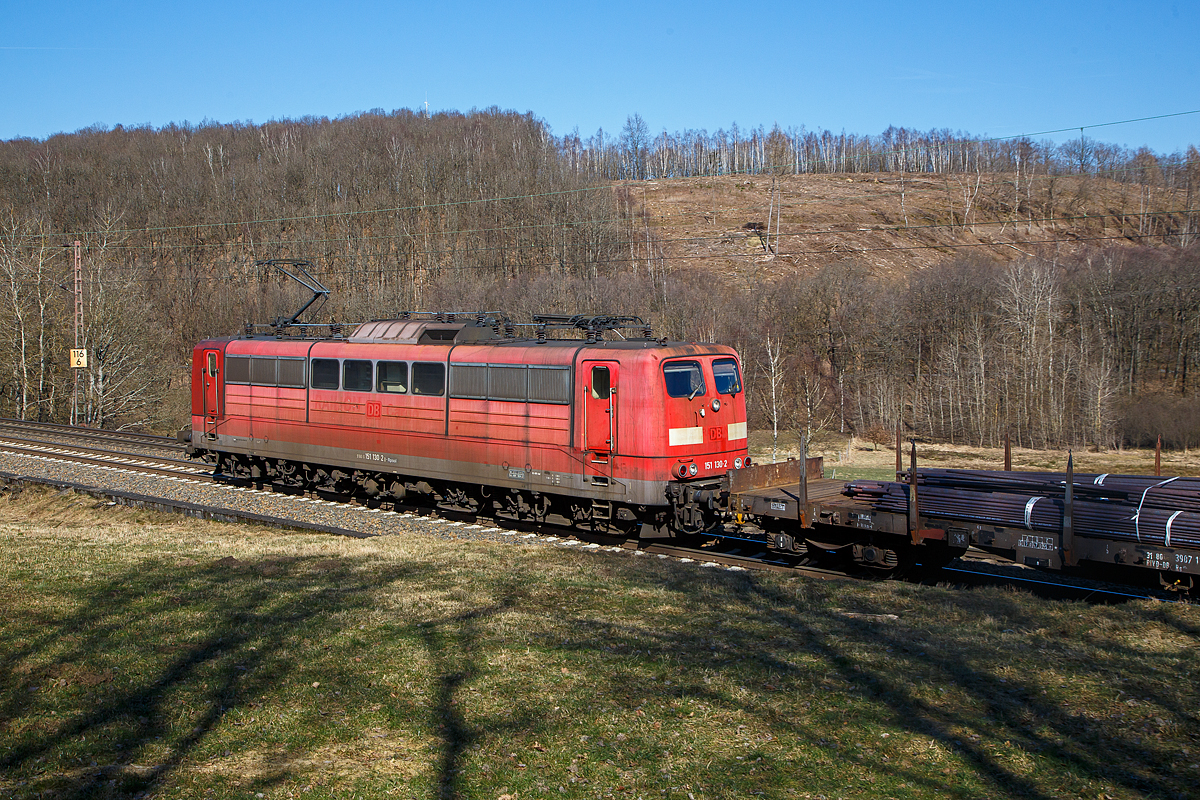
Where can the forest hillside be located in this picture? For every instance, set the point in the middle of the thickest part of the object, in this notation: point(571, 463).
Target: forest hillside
point(968, 288)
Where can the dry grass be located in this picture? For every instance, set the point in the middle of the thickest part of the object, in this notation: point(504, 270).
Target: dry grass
point(829, 217)
point(851, 457)
point(154, 656)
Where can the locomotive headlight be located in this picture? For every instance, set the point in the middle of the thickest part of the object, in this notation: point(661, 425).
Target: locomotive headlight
point(716, 404)
point(737, 463)
point(682, 471)
point(692, 470)
point(746, 463)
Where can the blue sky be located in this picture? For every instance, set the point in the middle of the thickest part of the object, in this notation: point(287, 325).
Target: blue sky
point(998, 69)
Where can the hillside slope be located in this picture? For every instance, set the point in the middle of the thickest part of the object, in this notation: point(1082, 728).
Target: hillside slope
point(896, 224)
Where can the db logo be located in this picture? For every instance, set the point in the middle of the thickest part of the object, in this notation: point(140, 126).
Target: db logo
point(374, 410)
point(717, 432)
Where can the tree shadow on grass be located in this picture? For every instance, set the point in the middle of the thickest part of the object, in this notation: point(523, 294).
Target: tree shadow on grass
point(132, 682)
point(156, 669)
point(455, 651)
point(887, 667)
point(117, 692)
point(997, 705)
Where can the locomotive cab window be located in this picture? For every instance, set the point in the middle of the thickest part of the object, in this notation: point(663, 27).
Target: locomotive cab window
point(212, 365)
point(684, 379)
point(356, 375)
point(601, 383)
point(325, 373)
point(726, 376)
point(392, 377)
point(428, 378)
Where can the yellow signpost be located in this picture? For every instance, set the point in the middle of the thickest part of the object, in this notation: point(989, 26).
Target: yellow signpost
point(78, 358)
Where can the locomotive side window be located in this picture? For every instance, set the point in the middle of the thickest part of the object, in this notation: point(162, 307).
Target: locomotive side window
point(262, 371)
point(428, 378)
point(237, 369)
point(392, 377)
point(601, 383)
point(684, 378)
point(549, 384)
point(212, 365)
point(291, 372)
point(507, 383)
point(726, 377)
point(469, 381)
point(325, 373)
point(356, 375)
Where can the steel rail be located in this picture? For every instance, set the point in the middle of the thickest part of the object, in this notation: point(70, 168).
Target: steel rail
point(34, 444)
point(763, 560)
point(45, 453)
point(147, 439)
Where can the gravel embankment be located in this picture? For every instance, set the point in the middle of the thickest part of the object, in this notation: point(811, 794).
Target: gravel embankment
point(262, 505)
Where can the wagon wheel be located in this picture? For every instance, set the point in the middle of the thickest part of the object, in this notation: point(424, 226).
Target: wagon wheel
point(886, 563)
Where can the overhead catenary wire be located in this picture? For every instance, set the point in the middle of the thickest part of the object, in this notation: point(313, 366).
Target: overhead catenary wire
point(353, 213)
point(476, 251)
point(581, 190)
point(483, 268)
point(748, 209)
point(261, 245)
point(622, 220)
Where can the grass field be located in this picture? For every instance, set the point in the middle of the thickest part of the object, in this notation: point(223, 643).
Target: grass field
point(152, 656)
point(849, 458)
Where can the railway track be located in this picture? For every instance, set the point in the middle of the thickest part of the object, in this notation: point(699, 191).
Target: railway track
point(119, 451)
point(55, 441)
point(49, 432)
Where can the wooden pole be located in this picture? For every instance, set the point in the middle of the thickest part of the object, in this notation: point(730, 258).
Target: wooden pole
point(1158, 456)
point(1007, 452)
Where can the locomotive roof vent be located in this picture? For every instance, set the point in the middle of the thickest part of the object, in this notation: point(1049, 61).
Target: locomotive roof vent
point(401, 331)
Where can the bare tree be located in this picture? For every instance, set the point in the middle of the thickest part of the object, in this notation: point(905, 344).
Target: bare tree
point(635, 141)
point(27, 319)
point(771, 366)
point(125, 380)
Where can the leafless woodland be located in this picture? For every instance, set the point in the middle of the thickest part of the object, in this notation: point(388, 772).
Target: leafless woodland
point(489, 211)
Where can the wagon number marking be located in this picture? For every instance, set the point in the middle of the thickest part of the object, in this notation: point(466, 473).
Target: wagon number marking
point(1169, 561)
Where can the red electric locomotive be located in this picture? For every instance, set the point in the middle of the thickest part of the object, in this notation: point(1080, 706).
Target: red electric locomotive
point(628, 435)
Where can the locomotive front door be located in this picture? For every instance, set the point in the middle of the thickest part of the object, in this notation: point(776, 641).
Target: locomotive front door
point(599, 411)
point(212, 388)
